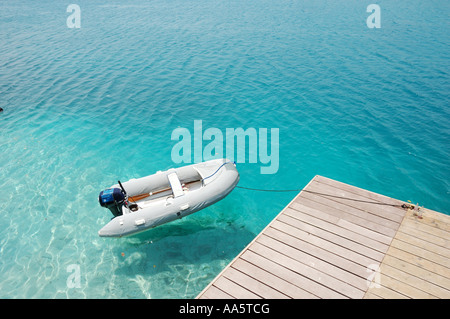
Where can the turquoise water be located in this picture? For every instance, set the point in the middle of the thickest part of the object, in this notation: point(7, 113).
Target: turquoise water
point(86, 107)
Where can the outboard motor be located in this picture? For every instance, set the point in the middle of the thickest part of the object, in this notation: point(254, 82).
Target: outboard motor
point(113, 199)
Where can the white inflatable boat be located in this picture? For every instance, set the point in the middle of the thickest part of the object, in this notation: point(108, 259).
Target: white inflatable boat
point(147, 202)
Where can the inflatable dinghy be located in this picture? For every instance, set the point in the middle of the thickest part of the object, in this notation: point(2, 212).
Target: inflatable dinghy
point(148, 202)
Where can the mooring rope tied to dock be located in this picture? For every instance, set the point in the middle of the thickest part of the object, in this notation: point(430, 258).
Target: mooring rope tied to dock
point(406, 206)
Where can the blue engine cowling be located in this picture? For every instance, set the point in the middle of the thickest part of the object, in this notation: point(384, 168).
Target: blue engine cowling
point(113, 199)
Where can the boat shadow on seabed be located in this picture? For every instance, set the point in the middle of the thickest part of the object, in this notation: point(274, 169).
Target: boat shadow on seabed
point(192, 241)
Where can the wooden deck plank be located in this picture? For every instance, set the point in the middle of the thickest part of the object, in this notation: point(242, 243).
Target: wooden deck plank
point(305, 288)
point(313, 262)
point(318, 252)
point(419, 243)
point(334, 224)
point(426, 225)
point(215, 293)
point(305, 271)
point(236, 290)
point(260, 274)
point(428, 218)
point(436, 215)
point(414, 265)
point(351, 214)
point(337, 230)
point(385, 293)
point(365, 231)
point(369, 295)
point(316, 200)
point(377, 208)
point(331, 237)
point(416, 231)
point(358, 190)
point(255, 286)
point(414, 281)
point(388, 280)
point(325, 242)
point(422, 253)
point(307, 235)
point(417, 271)
point(418, 261)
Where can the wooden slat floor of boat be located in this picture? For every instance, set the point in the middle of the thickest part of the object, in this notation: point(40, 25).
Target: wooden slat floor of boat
point(335, 240)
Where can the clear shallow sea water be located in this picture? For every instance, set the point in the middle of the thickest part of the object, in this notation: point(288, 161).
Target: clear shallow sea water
point(86, 107)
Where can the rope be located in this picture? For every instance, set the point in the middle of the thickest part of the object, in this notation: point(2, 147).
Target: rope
point(323, 194)
point(406, 206)
point(217, 170)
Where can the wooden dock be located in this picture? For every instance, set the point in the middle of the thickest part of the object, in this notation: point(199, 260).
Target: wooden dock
point(334, 240)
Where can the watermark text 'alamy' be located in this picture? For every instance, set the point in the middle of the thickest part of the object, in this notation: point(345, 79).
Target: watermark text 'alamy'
point(237, 142)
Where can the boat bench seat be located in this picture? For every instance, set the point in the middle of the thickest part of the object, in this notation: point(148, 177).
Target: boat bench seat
point(175, 184)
